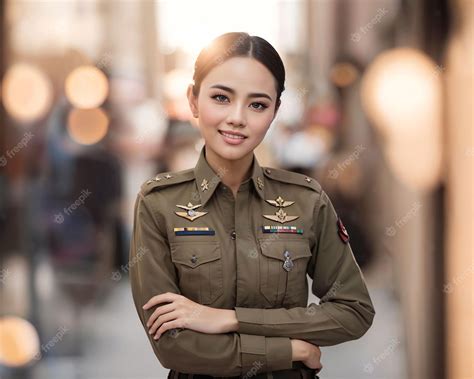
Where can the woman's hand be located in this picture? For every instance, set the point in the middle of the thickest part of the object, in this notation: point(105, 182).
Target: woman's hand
point(184, 313)
point(307, 353)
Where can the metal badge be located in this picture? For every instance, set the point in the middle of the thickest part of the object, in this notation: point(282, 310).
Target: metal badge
point(280, 202)
point(281, 217)
point(156, 179)
point(191, 214)
point(288, 264)
point(204, 185)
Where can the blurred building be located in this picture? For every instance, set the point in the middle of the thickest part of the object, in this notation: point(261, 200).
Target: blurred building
point(377, 107)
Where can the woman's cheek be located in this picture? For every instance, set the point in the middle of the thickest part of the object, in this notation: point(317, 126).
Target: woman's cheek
point(261, 125)
point(211, 116)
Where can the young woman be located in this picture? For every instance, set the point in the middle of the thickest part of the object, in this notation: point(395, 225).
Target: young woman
point(220, 252)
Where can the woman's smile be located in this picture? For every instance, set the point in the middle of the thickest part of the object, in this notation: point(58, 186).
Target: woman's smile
point(232, 138)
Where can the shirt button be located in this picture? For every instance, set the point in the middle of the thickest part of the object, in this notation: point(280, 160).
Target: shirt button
point(233, 234)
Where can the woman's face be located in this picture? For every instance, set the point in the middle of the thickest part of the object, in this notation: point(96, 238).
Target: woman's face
point(236, 97)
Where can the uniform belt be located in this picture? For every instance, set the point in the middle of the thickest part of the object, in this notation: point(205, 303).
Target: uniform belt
point(284, 374)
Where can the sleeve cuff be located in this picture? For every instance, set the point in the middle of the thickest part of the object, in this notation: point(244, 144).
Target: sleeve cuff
point(249, 319)
point(263, 354)
point(279, 353)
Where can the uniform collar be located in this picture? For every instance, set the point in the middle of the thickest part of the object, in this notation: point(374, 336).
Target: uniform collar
point(208, 180)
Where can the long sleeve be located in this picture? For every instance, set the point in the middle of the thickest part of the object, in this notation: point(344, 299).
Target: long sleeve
point(345, 311)
point(152, 272)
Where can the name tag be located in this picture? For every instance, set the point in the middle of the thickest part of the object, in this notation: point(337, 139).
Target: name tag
point(194, 231)
point(281, 229)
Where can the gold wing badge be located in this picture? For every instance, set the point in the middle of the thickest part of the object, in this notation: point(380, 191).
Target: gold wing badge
point(280, 216)
point(280, 202)
point(191, 214)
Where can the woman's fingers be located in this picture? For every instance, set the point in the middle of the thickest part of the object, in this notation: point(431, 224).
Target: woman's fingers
point(166, 297)
point(167, 326)
point(163, 318)
point(159, 311)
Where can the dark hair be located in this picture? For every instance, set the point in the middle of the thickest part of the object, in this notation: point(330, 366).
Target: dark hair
point(235, 44)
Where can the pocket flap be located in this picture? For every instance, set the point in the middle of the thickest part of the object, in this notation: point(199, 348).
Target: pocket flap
point(193, 254)
point(275, 248)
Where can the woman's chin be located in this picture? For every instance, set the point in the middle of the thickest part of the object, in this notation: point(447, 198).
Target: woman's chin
point(231, 153)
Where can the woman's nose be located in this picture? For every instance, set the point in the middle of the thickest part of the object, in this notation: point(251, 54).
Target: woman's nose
point(237, 116)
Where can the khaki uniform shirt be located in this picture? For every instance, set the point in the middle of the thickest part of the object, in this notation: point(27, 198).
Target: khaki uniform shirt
point(251, 254)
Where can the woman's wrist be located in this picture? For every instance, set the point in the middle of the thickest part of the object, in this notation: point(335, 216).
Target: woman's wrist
point(299, 350)
point(229, 321)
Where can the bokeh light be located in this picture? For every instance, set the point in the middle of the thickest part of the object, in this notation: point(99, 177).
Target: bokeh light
point(26, 92)
point(343, 74)
point(19, 341)
point(86, 87)
point(87, 126)
point(401, 94)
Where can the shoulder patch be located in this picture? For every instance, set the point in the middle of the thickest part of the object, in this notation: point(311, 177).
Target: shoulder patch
point(166, 179)
point(292, 178)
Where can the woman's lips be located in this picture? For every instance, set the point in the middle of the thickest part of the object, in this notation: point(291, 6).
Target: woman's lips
point(231, 138)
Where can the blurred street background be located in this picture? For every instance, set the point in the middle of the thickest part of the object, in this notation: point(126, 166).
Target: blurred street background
point(378, 107)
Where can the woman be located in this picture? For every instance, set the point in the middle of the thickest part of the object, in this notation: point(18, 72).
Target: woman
point(220, 252)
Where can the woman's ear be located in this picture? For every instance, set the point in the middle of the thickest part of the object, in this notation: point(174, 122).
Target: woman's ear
point(192, 101)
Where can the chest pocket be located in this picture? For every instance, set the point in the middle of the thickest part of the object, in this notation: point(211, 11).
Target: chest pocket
point(200, 270)
point(280, 286)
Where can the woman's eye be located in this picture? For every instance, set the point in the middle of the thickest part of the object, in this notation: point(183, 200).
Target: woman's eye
point(220, 98)
point(259, 106)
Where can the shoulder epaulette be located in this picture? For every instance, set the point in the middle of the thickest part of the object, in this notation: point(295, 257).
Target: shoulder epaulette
point(292, 177)
point(166, 179)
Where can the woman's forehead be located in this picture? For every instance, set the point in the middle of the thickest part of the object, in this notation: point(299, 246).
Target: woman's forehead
point(243, 74)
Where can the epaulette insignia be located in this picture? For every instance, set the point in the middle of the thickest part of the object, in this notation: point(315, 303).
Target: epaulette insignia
point(292, 177)
point(166, 179)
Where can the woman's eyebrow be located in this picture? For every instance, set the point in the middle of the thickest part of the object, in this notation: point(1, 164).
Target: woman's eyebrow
point(228, 89)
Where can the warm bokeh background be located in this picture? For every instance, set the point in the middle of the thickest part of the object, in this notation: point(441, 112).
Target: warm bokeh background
point(378, 107)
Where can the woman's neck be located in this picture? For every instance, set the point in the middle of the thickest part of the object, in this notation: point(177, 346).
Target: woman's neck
point(231, 172)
